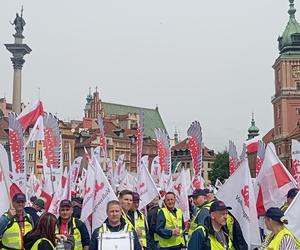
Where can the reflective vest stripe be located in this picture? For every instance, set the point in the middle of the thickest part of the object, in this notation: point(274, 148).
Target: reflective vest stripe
point(36, 244)
point(140, 225)
point(275, 243)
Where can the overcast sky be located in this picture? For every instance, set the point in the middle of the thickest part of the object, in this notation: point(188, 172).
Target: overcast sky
point(197, 60)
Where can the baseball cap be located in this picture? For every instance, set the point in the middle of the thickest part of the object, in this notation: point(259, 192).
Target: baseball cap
point(275, 214)
point(40, 203)
point(292, 192)
point(135, 196)
point(65, 203)
point(78, 200)
point(198, 192)
point(207, 190)
point(19, 197)
point(218, 206)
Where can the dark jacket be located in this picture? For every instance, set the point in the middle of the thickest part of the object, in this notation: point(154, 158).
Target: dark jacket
point(95, 235)
point(85, 237)
point(204, 212)
point(77, 212)
point(238, 240)
point(29, 241)
point(164, 232)
point(33, 214)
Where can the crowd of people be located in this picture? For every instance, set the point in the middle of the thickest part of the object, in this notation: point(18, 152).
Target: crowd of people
point(160, 226)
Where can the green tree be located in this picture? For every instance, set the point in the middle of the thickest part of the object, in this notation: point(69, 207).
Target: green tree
point(220, 167)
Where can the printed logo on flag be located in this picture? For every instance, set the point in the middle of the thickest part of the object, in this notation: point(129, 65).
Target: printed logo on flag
point(245, 194)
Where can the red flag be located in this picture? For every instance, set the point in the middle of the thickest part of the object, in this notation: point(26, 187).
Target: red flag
point(30, 114)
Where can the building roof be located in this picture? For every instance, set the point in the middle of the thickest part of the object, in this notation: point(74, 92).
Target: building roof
point(287, 41)
point(152, 118)
point(268, 137)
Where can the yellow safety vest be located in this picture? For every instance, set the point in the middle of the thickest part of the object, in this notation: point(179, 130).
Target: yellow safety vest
point(275, 243)
point(229, 223)
point(214, 243)
point(76, 234)
point(12, 237)
point(172, 222)
point(36, 244)
point(194, 225)
point(139, 224)
point(126, 228)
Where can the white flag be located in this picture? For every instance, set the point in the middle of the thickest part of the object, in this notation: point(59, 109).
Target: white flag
point(119, 172)
point(238, 193)
point(292, 215)
point(4, 180)
point(272, 183)
point(180, 189)
point(155, 170)
point(103, 193)
point(129, 182)
point(296, 159)
point(37, 132)
point(146, 186)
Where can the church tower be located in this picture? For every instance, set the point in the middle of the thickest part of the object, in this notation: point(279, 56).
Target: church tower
point(286, 101)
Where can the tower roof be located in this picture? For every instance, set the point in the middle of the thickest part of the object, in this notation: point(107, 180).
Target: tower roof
point(290, 39)
point(253, 130)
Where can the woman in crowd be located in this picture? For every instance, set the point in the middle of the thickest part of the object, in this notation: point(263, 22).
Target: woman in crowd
point(42, 237)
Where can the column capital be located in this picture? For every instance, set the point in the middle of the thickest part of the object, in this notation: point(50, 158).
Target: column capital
point(17, 62)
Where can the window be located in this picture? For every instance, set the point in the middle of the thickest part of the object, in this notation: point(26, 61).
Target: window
point(278, 112)
point(279, 150)
point(40, 156)
point(298, 86)
point(31, 157)
point(298, 111)
point(66, 156)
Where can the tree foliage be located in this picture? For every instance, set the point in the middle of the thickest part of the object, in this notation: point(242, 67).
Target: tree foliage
point(220, 167)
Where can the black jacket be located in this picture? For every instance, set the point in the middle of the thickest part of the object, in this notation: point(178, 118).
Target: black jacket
point(29, 241)
point(33, 214)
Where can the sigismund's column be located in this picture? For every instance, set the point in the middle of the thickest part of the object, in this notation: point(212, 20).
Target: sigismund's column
point(18, 50)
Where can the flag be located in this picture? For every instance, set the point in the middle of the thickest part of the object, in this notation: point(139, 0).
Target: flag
point(146, 186)
point(218, 183)
point(30, 114)
point(238, 193)
point(120, 171)
point(233, 158)
point(37, 132)
point(103, 193)
point(180, 188)
point(155, 170)
point(260, 156)
point(17, 152)
point(102, 134)
point(74, 174)
point(164, 155)
point(195, 146)
point(272, 183)
point(33, 186)
point(292, 215)
point(139, 141)
point(129, 182)
point(296, 159)
point(47, 192)
point(252, 144)
point(4, 180)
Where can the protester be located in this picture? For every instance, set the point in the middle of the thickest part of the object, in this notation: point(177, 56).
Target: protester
point(289, 198)
point(126, 200)
point(139, 221)
point(280, 237)
point(114, 223)
point(214, 233)
point(42, 237)
point(72, 228)
point(170, 225)
point(153, 208)
point(210, 196)
point(37, 207)
point(201, 211)
point(15, 224)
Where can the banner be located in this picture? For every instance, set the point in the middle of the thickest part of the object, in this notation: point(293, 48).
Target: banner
point(296, 159)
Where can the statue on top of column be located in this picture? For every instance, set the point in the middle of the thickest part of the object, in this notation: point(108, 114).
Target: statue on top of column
point(19, 23)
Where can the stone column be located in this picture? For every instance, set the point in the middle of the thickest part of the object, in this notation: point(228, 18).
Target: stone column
point(18, 50)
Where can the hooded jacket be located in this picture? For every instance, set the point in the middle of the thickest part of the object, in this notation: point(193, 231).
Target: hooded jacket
point(29, 241)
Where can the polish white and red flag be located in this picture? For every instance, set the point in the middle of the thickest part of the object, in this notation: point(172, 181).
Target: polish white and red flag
point(238, 192)
point(17, 153)
point(164, 155)
point(252, 144)
point(272, 183)
point(261, 150)
point(195, 146)
point(296, 159)
point(180, 188)
point(146, 186)
point(139, 141)
point(103, 193)
point(30, 114)
point(37, 132)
